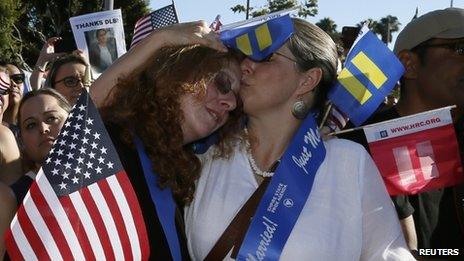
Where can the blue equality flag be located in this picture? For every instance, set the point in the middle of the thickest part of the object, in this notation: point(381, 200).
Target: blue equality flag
point(260, 40)
point(371, 71)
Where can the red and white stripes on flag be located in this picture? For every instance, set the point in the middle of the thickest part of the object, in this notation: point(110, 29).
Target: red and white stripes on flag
point(336, 120)
point(216, 24)
point(416, 153)
point(91, 224)
point(4, 82)
point(142, 28)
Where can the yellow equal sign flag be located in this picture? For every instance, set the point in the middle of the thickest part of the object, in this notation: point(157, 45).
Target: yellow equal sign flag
point(243, 44)
point(370, 70)
point(263, 37)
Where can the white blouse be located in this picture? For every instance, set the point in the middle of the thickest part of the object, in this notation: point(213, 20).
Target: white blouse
point(348, 215)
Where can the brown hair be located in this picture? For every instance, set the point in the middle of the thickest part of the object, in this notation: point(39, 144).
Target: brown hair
point(62, 102)
point(312, 48)
point(147, 102)
point(68, 58)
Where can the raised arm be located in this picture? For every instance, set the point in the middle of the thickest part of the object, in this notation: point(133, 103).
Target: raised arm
point(47, 55)
point(179, 34)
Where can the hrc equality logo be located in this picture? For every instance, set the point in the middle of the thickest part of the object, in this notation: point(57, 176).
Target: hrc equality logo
point(371, 71)
point(259, 41)
point(368, 68)
point(263, 38)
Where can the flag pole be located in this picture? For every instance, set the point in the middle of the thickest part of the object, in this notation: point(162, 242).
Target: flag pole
point(87, 77)
point(388, 121)
point(335, 133)
point(109, 5)
point(326, 115)
point(247, 9)
point(416, 13)
point(175, 11)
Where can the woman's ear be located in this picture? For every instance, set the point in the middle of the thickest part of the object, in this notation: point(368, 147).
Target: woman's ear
point(410, 62)
point(309, 80)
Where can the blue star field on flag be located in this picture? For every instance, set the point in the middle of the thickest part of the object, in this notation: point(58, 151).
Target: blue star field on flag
point(81, 155)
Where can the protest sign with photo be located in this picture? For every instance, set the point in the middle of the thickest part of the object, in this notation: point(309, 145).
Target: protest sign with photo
point(101, 36)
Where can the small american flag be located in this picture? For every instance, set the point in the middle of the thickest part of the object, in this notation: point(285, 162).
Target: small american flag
point(216, 24)
point(154, 20)
point(4, 82)
point(82, 205)
point(336, 120)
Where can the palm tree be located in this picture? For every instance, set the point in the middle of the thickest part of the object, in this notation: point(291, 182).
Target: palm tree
point(371, 24)
point(328, 25)
point(386, 26)
point(307, 8)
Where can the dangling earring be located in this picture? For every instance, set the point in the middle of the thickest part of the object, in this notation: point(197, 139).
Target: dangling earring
point(299, 110)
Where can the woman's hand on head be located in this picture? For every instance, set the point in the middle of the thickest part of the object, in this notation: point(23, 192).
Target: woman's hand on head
point(196, 32)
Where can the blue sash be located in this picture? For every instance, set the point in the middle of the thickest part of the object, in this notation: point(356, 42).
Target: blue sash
point(201, 146)
point(285, 195)
point(163, 201)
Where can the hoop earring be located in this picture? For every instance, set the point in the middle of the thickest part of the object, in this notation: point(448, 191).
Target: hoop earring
point(299, 110)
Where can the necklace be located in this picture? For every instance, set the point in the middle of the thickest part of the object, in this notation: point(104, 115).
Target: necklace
point(252, 161)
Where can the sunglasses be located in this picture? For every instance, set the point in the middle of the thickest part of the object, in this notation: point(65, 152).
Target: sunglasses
point(70, 81)
point(18, 78)
point(268, 58)
point(222, 82)
point(457, 47)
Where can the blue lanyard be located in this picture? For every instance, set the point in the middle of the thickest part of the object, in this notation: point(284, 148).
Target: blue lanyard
point(285, 195)
point(163, 201)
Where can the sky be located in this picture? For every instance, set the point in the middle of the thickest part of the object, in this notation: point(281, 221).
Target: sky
point(343, 12)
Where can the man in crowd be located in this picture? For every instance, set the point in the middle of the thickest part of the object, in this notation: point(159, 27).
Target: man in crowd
point(103, 52)
point(17, 79)
point(431, 48)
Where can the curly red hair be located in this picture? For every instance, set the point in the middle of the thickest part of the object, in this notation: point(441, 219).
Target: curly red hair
point(147, 102)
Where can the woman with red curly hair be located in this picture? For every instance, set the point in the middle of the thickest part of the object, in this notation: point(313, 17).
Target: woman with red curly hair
point(176, 86)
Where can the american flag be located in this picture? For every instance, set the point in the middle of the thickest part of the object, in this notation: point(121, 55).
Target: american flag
point(154, 20)
point(82, 205)
point(216, 24)
point(336, 120)
point(4, 82)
